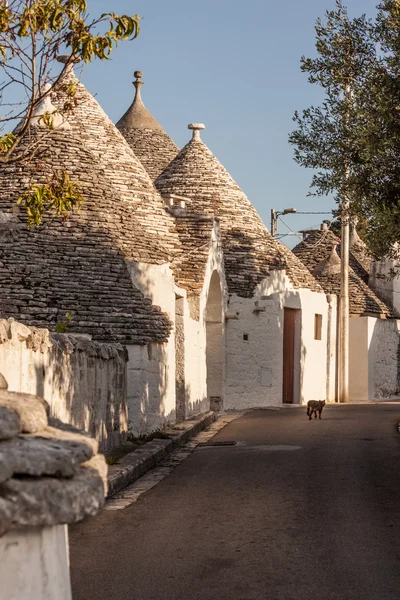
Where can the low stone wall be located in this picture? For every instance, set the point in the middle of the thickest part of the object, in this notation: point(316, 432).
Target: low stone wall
point(84, 382)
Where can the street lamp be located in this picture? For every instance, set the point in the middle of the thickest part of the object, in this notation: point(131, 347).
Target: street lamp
point(274, 218)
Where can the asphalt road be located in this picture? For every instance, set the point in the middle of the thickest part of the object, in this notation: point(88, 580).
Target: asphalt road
point(300, 510)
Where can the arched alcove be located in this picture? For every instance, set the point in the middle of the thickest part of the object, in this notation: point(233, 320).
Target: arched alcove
point(214, 343)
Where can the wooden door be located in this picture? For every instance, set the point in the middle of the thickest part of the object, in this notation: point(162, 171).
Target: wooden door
point(288, 355)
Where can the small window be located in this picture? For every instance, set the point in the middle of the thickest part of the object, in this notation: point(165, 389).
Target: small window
point(318, 327)
point(246, 337)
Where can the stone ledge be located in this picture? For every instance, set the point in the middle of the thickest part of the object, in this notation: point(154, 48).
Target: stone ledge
point(137, 463)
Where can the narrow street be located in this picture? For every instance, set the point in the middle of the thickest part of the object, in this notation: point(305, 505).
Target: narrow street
point(296, 510)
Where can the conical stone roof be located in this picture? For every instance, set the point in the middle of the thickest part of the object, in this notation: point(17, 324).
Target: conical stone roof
point(122, 168)
point(319, 254)
point(250, 252)
point(145, 136)
point(79, 266)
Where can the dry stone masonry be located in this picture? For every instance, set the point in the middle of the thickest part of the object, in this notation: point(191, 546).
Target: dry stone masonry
point(148, 140)
point(320, 252)
point(250, 252)
point(50, 473)
point(78, 267)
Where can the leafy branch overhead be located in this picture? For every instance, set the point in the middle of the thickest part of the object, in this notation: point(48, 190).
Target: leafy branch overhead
point(58, 196)
point(353, 143)
point(33, 34)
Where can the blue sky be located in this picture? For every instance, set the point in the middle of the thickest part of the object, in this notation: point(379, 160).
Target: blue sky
point(235, 67)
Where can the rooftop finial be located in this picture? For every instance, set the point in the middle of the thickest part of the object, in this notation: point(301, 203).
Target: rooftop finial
point(196, 128)
point(64, 58)
point(138, 83)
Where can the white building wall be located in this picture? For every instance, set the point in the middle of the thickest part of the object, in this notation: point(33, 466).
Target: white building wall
point(313, 352)
point(215, 265)
point(386, 285)
point(151, 381)
point(384, 358)
point(254, 366)
point(374, 357)
point(148, 385)
point(155, 397)
point(359, 387)
point(195, 367)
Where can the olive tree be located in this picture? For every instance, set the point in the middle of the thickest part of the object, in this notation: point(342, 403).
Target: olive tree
point(33, 34)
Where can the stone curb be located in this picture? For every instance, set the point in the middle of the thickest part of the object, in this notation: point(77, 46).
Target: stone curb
point(137, 463)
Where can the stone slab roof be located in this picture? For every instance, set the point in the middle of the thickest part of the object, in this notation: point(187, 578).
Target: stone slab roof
point(79, 266)
point(122, 169)
point(148, 140)
point(50, 472)
point(195, 236)
point(154, 148)
point(316, 252)
point(250, 252)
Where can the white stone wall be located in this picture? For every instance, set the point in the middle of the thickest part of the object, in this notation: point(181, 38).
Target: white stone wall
point(195, 367)
point(254, 367)
point(148, 385)
point(84, 382)
point(34, 564)
point(374, 358)
point(151, 382)
point(382, 281)
point(157, 283)
point(384, 367)
point(359, 384)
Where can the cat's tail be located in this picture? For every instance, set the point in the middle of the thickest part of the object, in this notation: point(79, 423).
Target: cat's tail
point(308, 411)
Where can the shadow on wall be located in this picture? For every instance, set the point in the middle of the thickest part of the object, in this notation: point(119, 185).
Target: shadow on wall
point(148, 382)
point(83, 382)
point(79, 268)
point(384, 359)
point(85, 385)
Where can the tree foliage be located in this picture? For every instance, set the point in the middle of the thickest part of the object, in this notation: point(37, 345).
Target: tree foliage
point(33, 33)
point(353, 141)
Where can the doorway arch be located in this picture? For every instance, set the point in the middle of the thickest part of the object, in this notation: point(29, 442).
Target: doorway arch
point(214, 343)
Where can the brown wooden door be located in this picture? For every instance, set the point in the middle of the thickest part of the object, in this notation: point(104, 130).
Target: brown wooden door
point(288, 354)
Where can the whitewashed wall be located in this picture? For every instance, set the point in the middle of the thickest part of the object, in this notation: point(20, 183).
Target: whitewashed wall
point(374, 358)
point(84, 382)
point(151, 382)
point(384, 359)
point(215, 266)
point(359, 381)
point(254, 367)
point(382, 281)
point(148, 385)
point(157, 283)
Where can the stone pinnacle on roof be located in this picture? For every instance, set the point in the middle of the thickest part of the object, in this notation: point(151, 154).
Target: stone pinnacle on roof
point(65, 58)
point(148, 140)
point(250, 252)
point(196, 128)
point(137, 116)
point(124, 171)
